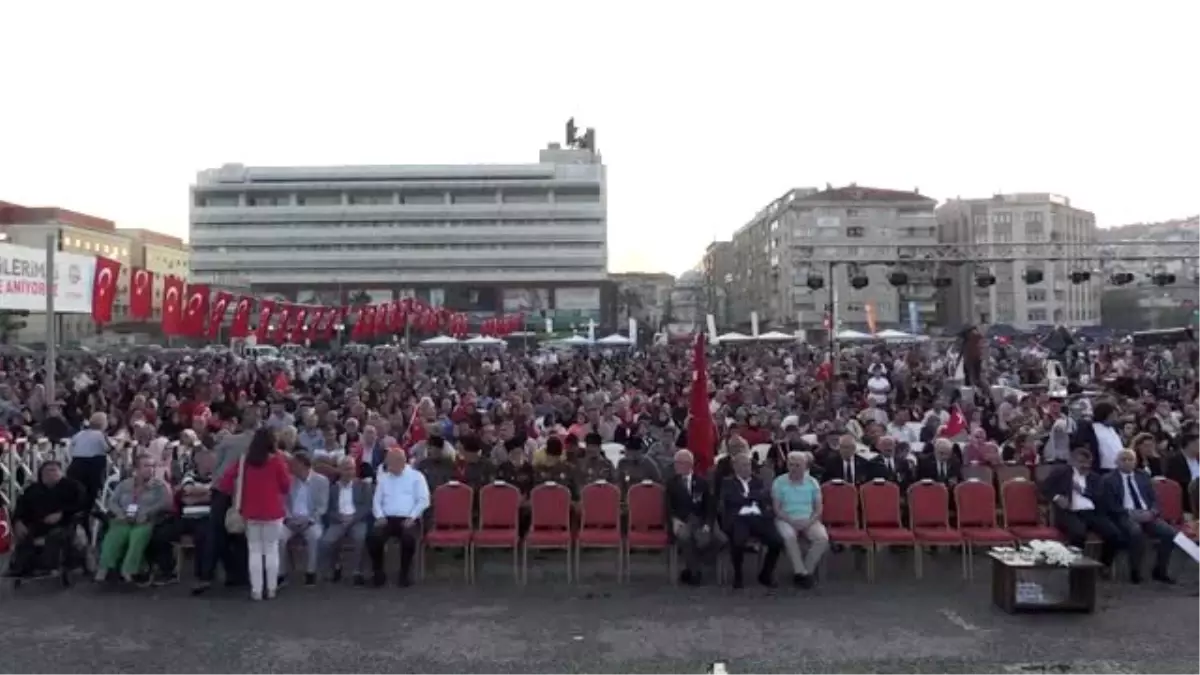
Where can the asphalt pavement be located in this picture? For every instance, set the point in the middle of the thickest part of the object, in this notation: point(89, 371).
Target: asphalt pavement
point(897, 624)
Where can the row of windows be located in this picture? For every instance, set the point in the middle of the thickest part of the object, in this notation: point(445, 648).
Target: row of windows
point(399, 198)
point(93, 247)
point(324, 248)
point(408, 224)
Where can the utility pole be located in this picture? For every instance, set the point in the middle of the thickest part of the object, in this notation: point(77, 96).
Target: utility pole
point(51, 337)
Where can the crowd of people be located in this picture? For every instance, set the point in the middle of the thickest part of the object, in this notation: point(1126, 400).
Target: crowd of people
point(344, 450)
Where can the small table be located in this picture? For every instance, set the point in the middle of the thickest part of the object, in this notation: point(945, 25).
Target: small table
point(1008, 595)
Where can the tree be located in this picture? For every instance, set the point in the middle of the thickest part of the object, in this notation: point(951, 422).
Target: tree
point(630, 301)
point(10, 323)
point(360, 297)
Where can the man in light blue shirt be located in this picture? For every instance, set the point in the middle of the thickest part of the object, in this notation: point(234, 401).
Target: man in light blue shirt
point(401, 497)
point(797, 499)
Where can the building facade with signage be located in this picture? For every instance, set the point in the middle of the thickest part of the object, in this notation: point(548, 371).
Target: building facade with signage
point(162, 255)
point(481, 239)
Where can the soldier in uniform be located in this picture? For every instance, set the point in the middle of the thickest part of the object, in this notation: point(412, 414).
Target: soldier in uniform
point(635, 466)
point(437, 468)
point(471, 468)
point(593, 465)
point(552, 468)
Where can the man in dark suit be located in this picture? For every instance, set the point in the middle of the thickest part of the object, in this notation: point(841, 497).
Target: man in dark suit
point(690, 503)
point(1134, 509)
point(1077, 498)
point(847, 465)
point(891, 468)
point(940, 465)
point(1184, 467)
point(349, 515)
point(746, 514)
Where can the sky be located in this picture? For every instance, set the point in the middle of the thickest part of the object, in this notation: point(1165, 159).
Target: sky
point(704, 112)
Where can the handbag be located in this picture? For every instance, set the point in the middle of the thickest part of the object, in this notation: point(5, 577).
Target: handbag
point(234, 522)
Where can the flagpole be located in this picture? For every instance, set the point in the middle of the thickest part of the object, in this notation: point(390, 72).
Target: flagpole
point(51, 338)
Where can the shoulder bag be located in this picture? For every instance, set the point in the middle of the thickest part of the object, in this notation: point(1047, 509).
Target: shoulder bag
point(234, 522)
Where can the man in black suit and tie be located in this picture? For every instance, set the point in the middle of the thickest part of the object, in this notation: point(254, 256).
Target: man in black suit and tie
point(889, 467)
point(940, 465)
point(1183, 468)
point(847, 465)
point(1134, 509)
point(747, 513)
point(690, 503)
point(1077, 498)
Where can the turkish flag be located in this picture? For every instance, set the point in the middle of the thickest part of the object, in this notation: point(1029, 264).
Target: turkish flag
point(104, 289)
point(320, 317)
point(141, 294)
point(397, 316)
point(300, 330)
point(383, 320)
point(701, 430)
point(285, 317)
point(955, 425)
point(172, 314)
point(265, 309)
point(240, 327)
point(6, 535)
point(195, 310)
point(217, 316)
point(336, 317)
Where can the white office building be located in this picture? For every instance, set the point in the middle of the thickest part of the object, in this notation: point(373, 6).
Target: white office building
point(488, 238)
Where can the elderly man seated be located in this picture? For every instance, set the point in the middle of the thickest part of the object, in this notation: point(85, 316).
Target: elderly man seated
point(349, 513)
point(308, 500)
point(746, 513)
point(797, 499)
point(134, 507)
point(44, 523)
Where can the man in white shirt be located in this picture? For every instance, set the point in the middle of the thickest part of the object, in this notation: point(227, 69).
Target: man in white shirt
point(349, 511)
point(307, 501)
point(1077, 497)
point(401, 496)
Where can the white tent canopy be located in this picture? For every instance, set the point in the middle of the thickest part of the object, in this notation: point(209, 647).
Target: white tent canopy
point(575, 341)
point(734, 337)
point(615, 339)
point(439, 341)
point(893, 335)
point(483, 340)
point(853, 335)
point(776, 336)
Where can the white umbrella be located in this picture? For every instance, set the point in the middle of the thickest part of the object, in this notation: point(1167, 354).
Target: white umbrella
point(439, 341)
point(776, 336)
point(734, 337)
point(575, 341)
point(893, 334)
point(483, 340)
point(853, 335)
point(614, 339)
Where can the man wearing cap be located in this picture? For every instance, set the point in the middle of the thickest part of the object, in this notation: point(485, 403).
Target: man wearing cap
point(593, 465)
point(635, 467)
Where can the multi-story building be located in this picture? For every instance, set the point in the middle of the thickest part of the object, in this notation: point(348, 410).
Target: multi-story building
point(161, 254)
point(482, 239)
point(75, 233)
point(1020, 218)
point(687, 303)
point(645, 296)
point(774, 259)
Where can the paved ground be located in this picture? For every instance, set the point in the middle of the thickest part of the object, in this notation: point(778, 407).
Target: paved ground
point(940, 624)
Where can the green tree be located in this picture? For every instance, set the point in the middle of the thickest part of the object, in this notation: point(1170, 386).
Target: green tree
point(360, 297)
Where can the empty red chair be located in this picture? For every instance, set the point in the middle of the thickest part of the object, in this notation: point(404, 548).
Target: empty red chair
point(881, 516)
point(1169, 496)
point(648, 523)
point(1007, 472)
point(451, 526)
point(599, 521)
point(975, 501)
point(499, 522)
point(981, 471)
point(929, 519)
point(1019, 509)
point(549, 524)
point(839, 513)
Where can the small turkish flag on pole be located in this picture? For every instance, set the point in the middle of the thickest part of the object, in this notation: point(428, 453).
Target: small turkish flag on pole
point(141, 294)
point(104, 289)
point(195, 311)
point(172, 315)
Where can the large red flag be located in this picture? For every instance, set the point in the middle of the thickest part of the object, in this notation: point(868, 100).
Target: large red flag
point(300, 330)
point(397, 316)
point(172, 313)
point(265, 309)
point(336, 317)
point(141, 294)
point(217, 316)
point(195, 310)
point(701, 432)
point(104, 289)
point(320, 317)
point(282, 331)
point(240, 327)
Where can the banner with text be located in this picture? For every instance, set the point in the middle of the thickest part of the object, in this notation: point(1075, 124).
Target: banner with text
point(23, 280)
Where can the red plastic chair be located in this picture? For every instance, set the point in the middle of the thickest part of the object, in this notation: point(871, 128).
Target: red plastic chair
point(648, 524)
point(976, 509)
point(983, 472)
point(550, 523)
point(499, 522)
point(1008, 472)
point(839, 513)
point(451, 526)
point(929, 519)
point(881, 516)
point(1169, 496)
point(599, 522)
point(1020, 512)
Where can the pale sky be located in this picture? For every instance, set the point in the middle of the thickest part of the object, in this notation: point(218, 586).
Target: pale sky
point(704, 111)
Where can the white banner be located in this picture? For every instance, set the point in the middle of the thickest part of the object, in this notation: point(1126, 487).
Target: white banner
point(23, 280)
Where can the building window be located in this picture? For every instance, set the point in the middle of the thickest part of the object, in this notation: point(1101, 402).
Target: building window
point(1035, 295)
point(854, 307)
point(1037, 315)
point(854, 232)
point(1002, 218)
point(852, 212)
point(1033, 216)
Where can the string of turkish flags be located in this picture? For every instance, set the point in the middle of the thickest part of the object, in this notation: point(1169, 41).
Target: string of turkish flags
point(196, 311)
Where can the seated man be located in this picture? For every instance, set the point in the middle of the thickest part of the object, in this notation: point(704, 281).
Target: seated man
point(635, 467)
point(133, 507)
point(888, 466)
point(1134, 510)
point(349, 511)
point(796, 497)
point(194, 498)
point(401, 496)
point(746, 514)
point(690, 505)
point(307, 501)
point(44, 523)
point(941, 465)
point(1077, 499)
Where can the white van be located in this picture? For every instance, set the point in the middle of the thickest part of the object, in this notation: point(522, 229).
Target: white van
point(260, 353)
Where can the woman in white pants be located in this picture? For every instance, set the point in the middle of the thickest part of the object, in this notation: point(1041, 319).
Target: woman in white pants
point(259, 483)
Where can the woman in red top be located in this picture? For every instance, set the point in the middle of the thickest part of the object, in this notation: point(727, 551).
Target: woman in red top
point(265, 485)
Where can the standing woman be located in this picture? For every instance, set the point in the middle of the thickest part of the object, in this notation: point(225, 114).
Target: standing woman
point(89, 457)
point(259, 484)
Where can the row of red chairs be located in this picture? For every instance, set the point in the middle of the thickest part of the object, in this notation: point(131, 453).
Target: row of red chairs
point(869, 517)
point(498, 525)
